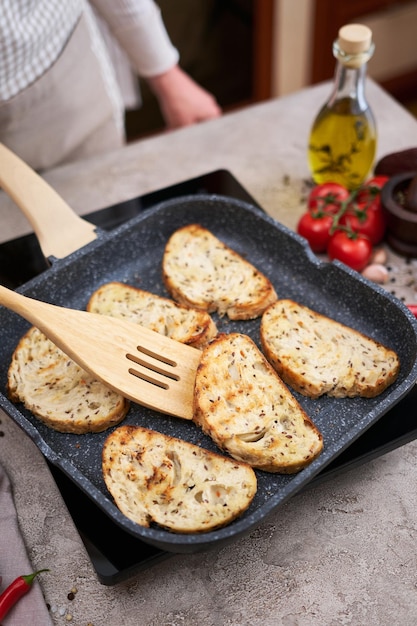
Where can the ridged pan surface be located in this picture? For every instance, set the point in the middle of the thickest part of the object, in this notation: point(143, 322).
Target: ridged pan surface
point(133, 253)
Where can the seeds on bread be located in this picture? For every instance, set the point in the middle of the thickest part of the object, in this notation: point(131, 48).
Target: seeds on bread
point(162, 315)
point(316, 355)
point(242, 404)
point(59, 392)
point(201, 271)
point(178, 485)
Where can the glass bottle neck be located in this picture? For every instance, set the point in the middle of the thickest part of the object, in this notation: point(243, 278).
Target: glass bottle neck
point(349, 83)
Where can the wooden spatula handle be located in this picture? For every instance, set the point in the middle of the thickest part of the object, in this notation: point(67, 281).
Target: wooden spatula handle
point(60, 231)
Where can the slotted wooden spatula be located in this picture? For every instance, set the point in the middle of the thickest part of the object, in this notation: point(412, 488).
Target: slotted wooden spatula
point(59, 229)
point(142, 365)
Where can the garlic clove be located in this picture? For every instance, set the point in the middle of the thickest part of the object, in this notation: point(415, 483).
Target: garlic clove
point(377, 273)
point(379, 256)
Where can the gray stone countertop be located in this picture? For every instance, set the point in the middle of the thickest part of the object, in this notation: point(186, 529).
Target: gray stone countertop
point(342, 552)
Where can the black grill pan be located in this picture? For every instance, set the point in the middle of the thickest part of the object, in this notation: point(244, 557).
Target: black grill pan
point(132, 253)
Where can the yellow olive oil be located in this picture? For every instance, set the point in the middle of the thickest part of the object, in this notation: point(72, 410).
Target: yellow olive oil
point(342, 141)
point(342, 144)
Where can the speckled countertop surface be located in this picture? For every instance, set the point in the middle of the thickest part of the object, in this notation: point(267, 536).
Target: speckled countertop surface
point(342, 552)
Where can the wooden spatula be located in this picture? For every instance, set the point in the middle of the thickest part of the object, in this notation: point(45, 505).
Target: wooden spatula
point(59, 229)
point(142, 365)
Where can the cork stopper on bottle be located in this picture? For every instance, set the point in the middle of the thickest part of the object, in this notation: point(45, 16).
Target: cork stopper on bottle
point(354, 46)
point(355, 38)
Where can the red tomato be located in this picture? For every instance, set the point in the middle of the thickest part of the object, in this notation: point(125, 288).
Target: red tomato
point(362, 219)
point(327, 197)
point(315, 227)
point(353, 249)
point(369, 195)
point(377, 181)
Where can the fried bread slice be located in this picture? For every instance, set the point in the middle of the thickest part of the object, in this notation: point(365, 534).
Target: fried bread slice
point(182, 323)
point(59, 392)
point(155, 478)
point(242, 404)
point(316, 355)
point(201, 271)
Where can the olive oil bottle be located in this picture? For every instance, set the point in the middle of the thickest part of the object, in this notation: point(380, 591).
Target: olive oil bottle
point(342, 143)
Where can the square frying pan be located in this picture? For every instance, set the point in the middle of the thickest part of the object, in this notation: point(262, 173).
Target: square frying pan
point(132, 253)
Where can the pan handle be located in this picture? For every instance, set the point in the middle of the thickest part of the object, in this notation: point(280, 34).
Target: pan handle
point(58, 228)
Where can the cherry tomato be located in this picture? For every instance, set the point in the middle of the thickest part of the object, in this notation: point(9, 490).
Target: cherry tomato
point(315, 227)
point(370, 194)
point(362, 219)
point(353, 249)
point(377, 181)
point(327, 197)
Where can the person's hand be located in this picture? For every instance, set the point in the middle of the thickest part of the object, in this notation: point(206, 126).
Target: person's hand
point(182, 101)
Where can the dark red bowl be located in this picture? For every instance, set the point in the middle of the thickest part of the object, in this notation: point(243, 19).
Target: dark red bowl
point(401, 232)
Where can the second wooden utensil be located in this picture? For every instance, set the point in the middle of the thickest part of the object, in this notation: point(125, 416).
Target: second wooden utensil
point(142, 365)
point(59, 229)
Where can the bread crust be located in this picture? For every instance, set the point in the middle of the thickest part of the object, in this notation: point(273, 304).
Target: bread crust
point(201, 271)
point(242, 404)
point(316, 355)
point(180, 322)
point(155, 478)
point(59, 392)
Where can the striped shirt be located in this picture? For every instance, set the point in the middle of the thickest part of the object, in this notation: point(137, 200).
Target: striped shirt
point(33, 34)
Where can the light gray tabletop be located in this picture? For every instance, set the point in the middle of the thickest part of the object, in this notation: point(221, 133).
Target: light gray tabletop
point(343, 552)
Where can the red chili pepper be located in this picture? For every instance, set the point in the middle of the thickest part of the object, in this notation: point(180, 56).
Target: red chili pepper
point(413, 308)
point(18, 588)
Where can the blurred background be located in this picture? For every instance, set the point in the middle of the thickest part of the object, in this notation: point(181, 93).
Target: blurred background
point(246, 51)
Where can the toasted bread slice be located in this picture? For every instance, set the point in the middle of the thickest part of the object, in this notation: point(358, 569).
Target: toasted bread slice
point(162, 315)
point(201, 271)
point(242, 404)
point(178, 485)
point(316, 355)
point(57, 391)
